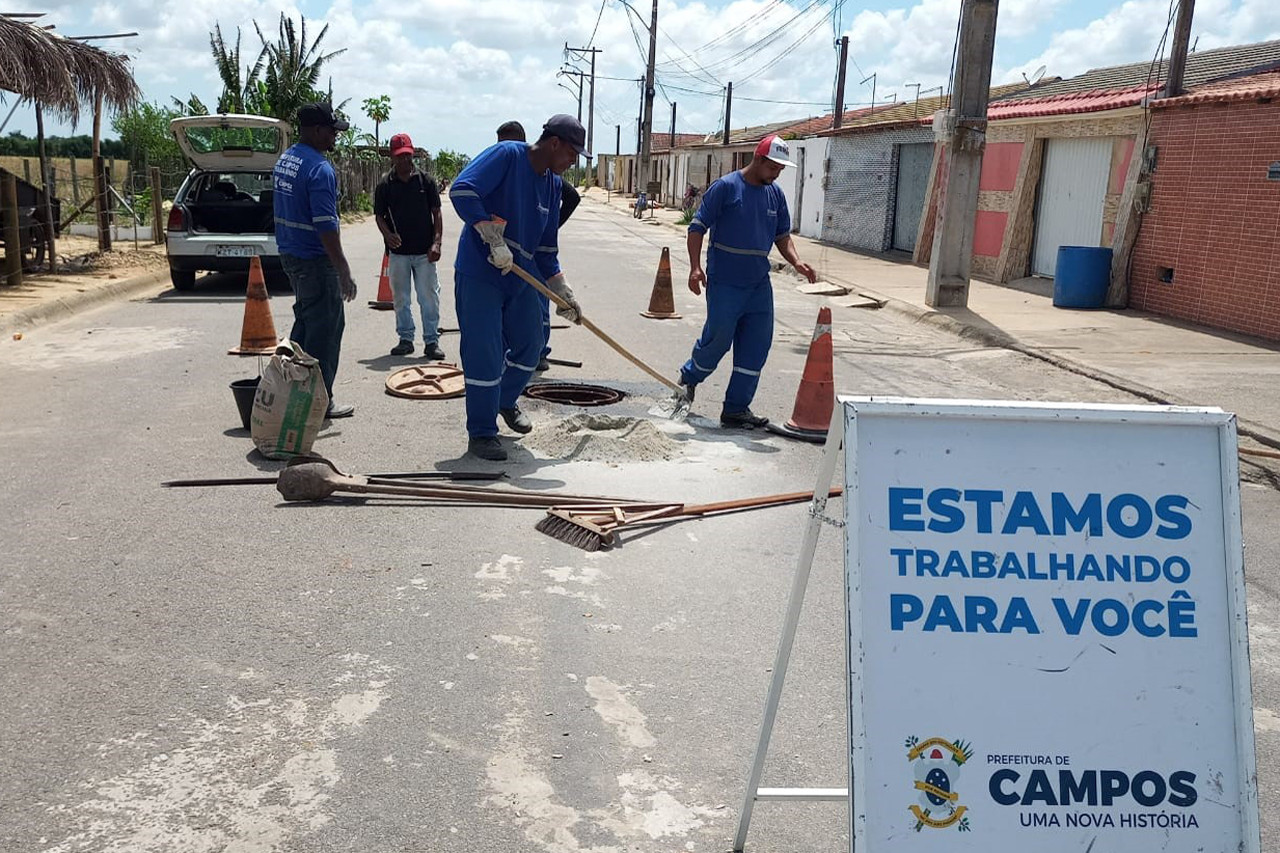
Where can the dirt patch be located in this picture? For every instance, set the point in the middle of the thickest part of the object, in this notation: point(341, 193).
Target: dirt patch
point(602, 438)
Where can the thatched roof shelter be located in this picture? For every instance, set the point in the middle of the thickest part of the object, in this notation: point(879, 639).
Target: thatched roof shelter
point(59, 73)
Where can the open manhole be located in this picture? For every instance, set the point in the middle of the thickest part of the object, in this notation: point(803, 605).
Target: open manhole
point(573, 394)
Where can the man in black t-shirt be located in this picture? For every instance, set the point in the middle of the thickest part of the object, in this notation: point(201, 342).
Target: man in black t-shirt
point(513, 131)
point(406, 206)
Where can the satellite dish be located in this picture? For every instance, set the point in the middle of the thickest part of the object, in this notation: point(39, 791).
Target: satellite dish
point(1039, 75)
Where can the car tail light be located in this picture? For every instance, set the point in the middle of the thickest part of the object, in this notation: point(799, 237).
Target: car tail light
point(177, 219)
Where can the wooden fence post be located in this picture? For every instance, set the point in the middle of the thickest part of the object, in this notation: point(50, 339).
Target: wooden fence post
point(26, 170)
point(157, 224)
point(75, 183)
point(100, 179)
point(12, 238)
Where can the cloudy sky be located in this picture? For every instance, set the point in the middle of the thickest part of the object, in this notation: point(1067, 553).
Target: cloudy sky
point(456, 69)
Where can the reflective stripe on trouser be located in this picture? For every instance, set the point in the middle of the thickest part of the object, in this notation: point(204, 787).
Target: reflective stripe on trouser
point(546, 324)
point(741, 317)
point(318, 315)
point(409, 272)
point(501, 338)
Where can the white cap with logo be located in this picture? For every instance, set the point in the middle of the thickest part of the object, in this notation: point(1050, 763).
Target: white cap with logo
point(775, 148)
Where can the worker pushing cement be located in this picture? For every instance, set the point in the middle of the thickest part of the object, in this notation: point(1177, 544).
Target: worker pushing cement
point(509, 198)
point(746, 214)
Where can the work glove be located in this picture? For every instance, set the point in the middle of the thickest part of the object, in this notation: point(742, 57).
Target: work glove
point(557, 285)
point(499, 253)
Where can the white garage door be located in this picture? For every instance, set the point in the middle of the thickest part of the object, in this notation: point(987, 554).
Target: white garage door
point(1073, 187)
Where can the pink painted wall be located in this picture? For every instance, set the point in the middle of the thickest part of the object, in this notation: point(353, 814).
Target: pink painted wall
point(1000, 166)
point(988, 232)
point(1122, 154)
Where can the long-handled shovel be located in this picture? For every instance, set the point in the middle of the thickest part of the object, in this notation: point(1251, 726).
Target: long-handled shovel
point(679, 401)
point(315, 481)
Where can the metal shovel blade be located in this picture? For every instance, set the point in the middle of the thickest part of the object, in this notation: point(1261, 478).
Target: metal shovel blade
point(675, 407)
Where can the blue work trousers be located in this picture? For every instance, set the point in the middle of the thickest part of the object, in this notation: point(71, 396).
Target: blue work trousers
point(318, 314)
point(408, 272)
point(502, 336)
point(741, 317)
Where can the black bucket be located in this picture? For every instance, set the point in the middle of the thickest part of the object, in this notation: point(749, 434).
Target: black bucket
point(244, 391)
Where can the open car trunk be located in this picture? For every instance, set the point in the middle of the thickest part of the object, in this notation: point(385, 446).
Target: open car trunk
point(232, 204)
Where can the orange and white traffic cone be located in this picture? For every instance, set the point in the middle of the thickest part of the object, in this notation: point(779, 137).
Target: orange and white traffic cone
point(258, 331)
point(816, 399)
point(662, 303)
point(385, 301)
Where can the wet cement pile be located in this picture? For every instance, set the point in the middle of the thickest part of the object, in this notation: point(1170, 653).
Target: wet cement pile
point(601, 438)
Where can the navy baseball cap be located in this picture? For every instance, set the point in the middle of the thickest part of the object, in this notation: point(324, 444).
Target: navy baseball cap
point(320, 115)
point(569, 129)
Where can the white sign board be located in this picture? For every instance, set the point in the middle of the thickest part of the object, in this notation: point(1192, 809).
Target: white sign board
point(1047, 633)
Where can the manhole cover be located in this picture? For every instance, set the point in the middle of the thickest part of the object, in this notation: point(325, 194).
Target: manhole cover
point(427, 382)
point(573, 394)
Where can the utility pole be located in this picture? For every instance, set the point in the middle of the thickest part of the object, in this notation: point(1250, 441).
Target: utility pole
point(569, 72)
point(728, 112)
point(838, 118)
point(964, 134)
point(1178, 58)
point(591, 97)
point(646, 130)
point(672, 142)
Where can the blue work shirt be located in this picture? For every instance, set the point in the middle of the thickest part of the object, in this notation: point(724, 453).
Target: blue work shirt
point(501, 182)
point(744, 221)
point(305, 199)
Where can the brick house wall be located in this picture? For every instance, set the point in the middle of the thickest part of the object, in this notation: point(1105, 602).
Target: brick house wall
point(862, 186)
point(1209, 248)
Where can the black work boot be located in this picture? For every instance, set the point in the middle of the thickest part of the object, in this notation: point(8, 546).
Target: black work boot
point(402, 348)
point(516, 419)
point(487, 447)
point(744, 419)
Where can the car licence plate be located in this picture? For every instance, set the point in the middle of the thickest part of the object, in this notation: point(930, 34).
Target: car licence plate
point(234, 251)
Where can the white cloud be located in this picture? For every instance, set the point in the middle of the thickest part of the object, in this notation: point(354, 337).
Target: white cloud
point(455, 69)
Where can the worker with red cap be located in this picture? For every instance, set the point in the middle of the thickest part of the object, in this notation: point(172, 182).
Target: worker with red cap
point(746, 215)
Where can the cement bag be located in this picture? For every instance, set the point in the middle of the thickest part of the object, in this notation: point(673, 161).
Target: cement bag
point(290, 404)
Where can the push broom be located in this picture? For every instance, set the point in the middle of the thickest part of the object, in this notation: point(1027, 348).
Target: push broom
point(593, 527)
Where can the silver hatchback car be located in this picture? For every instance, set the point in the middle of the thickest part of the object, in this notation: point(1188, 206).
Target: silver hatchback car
point(223, 214)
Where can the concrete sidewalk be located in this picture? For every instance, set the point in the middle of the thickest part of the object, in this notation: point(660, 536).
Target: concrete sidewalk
point(1161, 360)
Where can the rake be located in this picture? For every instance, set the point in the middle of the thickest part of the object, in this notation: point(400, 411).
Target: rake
point(594, 527)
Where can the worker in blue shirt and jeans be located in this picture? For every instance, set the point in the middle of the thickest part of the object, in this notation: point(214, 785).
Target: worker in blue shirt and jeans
point(746, 215)
point(306, 211)
point(509, 198)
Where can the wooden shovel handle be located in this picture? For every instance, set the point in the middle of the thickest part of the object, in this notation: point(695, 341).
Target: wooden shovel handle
point(594, 329)
point(751, 503)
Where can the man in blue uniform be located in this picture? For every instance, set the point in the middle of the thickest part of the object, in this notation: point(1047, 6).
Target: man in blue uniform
point(306, 211)
point(746, 214)
point(513, 131)
point(509, 199)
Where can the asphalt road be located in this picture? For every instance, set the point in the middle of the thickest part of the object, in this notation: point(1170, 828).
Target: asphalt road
point(211, 669)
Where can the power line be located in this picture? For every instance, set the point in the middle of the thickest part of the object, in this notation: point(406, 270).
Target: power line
point(596, 28)
point(789, 50)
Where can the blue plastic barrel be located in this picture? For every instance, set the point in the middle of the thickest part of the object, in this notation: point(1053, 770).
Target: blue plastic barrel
point(1081, 277)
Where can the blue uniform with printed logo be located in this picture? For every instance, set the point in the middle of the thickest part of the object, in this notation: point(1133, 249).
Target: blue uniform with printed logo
point(743, 220)
point(499, 315)
point(306, 205)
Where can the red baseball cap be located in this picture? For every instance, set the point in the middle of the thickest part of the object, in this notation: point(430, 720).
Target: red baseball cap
point(401, 144)
point(776, 149)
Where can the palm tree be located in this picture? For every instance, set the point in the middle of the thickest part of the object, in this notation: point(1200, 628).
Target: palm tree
point(292, 68)
point(237, 93)
point(378, 110)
